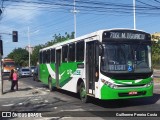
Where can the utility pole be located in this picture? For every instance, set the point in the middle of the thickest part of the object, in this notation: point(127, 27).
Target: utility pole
point(29, 44)
point(74, 12)
point(14, 39)
point(29, 47)
point(1, 79)
point(134, 13)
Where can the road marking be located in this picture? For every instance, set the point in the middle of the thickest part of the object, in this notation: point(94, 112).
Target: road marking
point(8, 105)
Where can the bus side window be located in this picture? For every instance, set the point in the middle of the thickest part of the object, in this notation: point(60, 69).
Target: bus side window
point(40, 57)
point(53, 55)
point(44, 57)
point(48, 56)
point(71, 54)
point(80, 51)
point(65, 53)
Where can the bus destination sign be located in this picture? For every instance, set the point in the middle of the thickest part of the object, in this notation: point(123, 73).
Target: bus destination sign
point(130, 35)
point(121, 35)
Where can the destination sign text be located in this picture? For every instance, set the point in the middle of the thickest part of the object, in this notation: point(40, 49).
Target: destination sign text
point(126, 35)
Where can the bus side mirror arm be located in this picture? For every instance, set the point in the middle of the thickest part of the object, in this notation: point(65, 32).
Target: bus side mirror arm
point(101, 50)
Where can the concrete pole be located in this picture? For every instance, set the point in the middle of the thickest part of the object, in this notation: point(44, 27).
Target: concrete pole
point(29, 48)
point(134, 13)
point(74, 11)
point(1, 79)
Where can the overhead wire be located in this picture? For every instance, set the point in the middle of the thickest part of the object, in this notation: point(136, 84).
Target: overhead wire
point(87, 7)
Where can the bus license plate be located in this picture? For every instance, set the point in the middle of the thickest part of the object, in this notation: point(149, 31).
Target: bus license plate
point(132, 93)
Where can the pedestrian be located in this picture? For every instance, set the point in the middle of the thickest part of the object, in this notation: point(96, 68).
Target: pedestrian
point(11, 77)
point(15, 80)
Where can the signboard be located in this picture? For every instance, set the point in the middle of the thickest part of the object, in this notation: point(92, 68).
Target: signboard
point(117, 67)
point(125, 35)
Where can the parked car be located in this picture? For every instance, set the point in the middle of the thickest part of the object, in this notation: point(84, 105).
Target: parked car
point(24, 72)
point(35, 74)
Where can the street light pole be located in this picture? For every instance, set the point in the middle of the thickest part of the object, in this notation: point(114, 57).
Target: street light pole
point(134, 13)
point(74, 19)
point(29, 47)
point(74, 12)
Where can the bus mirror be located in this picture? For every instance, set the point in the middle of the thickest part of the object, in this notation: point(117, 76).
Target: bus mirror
point(100, 49)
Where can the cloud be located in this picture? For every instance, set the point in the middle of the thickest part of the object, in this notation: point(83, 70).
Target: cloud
point(21, 12)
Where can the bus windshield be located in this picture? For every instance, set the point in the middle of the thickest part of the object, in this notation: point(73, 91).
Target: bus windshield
point(9, 64)
point(126, 58)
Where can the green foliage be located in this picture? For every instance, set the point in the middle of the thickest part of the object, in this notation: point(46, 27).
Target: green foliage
point(56, 39)
point(20, 56)
point(35, 54)
point(156, 54)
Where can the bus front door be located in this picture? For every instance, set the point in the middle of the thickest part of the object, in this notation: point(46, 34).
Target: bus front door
point(91, 66)
point(58, 62)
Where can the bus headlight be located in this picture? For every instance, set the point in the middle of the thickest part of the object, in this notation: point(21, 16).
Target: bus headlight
point(111, 85)
point(149, 84)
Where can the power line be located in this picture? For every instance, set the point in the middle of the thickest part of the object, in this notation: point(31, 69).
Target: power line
point(110, 6)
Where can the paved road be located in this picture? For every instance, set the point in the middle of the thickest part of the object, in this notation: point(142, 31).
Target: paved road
point(34, 96)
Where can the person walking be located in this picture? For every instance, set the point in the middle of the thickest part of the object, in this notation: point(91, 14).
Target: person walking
point(11, 78)
point(15, 80)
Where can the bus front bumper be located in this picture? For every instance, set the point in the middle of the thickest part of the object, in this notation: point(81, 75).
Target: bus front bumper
point(110, 93)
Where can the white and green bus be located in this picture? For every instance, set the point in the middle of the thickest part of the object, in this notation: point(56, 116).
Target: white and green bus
point(106, 64)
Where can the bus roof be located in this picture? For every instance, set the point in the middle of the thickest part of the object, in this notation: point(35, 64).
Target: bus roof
point(7, 59)
point(90, 35)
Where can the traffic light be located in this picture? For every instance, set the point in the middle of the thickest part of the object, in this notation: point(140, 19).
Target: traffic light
point(15, 36)
point(1, 47)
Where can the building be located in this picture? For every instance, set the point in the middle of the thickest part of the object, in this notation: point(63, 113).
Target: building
point(156, 36)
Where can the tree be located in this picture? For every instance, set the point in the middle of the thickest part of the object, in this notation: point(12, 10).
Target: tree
point(56, 39)
point(20, 56)
point(156, 54)
point(35, 54)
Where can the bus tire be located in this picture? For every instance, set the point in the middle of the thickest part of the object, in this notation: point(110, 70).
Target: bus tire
point(82, 93)
point(50, 83)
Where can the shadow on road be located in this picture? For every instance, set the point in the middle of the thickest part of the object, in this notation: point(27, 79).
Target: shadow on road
point(67, 93)
point(118, 103)
point(21, 89)
point(126, 102)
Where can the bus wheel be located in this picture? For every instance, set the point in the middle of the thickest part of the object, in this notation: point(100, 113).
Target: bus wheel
point(50, 83)
point(83, 93)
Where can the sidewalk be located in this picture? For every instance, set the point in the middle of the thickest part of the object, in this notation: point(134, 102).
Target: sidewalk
point(23, 90)
point(156, 76)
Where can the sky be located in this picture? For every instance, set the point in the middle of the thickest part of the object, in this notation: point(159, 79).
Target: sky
point(42, 19)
